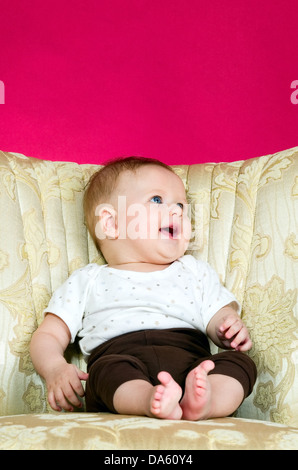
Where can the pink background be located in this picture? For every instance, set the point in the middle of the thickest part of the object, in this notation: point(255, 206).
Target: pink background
point(181, 80)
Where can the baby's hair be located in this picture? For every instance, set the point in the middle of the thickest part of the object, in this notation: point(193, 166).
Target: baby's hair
point(103, 182)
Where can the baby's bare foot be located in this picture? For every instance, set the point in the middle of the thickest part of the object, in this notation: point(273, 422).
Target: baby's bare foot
point(165, 398)
point(196, 401)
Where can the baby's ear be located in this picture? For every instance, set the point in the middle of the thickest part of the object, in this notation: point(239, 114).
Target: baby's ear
point(106, 226)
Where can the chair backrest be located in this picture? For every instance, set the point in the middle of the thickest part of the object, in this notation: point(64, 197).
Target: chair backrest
point(245, 217)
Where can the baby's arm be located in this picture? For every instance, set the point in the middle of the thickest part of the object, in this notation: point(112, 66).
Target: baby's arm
point(227, 330)
point(63, 380)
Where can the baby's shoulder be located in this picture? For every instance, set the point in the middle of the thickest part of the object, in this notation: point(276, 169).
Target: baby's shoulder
point(88, 272)
point(193, 263)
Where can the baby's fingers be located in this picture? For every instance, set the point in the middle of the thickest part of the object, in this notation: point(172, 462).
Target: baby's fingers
point(53, 403)
point(58, 402)
point(242, 341)
point(71, 398)
point(231, 327)
point(64, 399)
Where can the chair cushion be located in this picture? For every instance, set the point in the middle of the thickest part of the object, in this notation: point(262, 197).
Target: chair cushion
point(105, 431)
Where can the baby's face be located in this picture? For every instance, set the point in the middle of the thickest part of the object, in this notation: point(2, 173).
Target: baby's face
point(152, 213)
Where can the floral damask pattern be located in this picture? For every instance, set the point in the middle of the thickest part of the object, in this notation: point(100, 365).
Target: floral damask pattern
point(110, 432)
point(17, 300)
point(291, 246)
point(268, 313)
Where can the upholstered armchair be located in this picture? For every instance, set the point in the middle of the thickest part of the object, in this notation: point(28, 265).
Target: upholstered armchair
point(245, 224)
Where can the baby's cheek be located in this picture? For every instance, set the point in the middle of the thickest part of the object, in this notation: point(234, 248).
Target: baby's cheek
point(186, 229)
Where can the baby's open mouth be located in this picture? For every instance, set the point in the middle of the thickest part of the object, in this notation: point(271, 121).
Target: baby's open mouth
point(169, 232)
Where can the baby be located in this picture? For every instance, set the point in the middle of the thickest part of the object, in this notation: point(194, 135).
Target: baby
point(144, 317)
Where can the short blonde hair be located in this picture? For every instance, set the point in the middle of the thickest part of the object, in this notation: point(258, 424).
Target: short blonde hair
point(102, 184)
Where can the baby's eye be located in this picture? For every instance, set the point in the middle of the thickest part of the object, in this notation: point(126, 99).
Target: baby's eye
point(179, 204)
point(156, 199)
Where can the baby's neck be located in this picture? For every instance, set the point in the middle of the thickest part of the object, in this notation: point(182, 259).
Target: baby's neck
point(139, 267)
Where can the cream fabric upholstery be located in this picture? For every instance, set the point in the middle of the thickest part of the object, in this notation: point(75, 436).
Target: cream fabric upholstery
point(246, 216)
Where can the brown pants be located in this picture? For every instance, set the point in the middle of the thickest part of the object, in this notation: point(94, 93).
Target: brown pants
point(143, 354)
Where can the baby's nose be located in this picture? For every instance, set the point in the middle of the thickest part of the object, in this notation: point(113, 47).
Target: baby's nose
point(175, 209)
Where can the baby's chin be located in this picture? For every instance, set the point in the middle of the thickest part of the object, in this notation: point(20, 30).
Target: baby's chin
point(167, 255)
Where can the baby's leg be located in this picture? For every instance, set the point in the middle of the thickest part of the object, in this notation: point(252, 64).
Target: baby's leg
point(141, 398)
point(210, 396)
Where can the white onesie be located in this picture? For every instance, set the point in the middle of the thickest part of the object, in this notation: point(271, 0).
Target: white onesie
point(98, 303)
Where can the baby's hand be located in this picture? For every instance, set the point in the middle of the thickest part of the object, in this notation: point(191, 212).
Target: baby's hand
point(64, 387)
point(233, 333)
